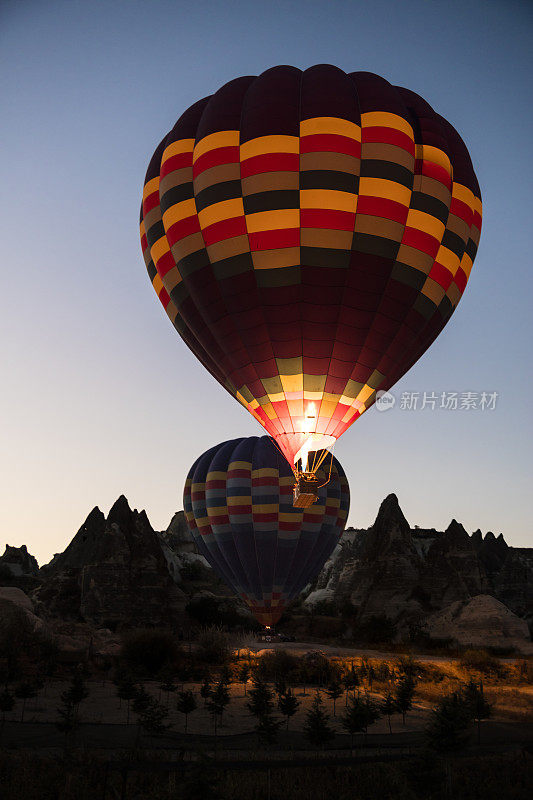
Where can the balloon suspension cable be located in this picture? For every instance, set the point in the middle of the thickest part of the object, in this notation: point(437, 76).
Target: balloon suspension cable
point(318, 459)
point(329, 476)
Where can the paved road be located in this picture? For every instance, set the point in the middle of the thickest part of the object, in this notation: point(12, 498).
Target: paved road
point(45, 736)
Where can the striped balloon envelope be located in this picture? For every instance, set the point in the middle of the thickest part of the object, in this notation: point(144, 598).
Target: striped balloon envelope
point(309, 234)
point(238, 506)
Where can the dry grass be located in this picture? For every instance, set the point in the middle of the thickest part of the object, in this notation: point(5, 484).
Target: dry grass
point(424, 778)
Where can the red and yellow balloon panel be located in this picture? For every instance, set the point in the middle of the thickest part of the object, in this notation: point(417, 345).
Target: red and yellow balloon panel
point(309, 235)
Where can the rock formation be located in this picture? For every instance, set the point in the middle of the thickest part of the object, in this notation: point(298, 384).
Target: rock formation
point(118, 572)
point(113, 573)
point(179, 548)
point(12, 600)
point(18, 562)
point(410, 574)
point(178, 536)
point(481, 621)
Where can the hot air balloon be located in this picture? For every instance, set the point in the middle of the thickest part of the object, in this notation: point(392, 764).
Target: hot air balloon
point(238, 506)
point(309, 234)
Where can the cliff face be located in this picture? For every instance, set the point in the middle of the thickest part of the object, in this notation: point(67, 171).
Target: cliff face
point(112, 573)
point(378, 573)
point(410, 574)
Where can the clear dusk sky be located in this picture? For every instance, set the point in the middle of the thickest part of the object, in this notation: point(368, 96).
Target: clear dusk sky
point(99, 396)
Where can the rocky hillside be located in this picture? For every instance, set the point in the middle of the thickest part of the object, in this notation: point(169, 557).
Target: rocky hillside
point(409, 574)
point(114, 572)
point(119, 572)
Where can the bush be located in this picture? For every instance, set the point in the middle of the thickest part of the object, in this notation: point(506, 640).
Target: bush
point(208, 611)
point(377, 629)
point(408, 666)
point(481, 661)
point(275, 664)
point(447, 731)
point(147, 651)
point(213, 646)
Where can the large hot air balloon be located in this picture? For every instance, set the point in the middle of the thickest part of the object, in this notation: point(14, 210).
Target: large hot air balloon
point(309, 235)
point(238, 506)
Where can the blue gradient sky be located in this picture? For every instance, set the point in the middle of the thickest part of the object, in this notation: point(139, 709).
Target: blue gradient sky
point(99, 395)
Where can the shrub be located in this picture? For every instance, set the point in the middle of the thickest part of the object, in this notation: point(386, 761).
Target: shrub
point(208, 611)
point(213, 646)
point(377, 629)
point(481, 661)
point(279, 663)
point(204, 610)
point(448, 728)
point(147, 651)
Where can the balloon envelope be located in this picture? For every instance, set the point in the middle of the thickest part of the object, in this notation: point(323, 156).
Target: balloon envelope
point(309, 235)
point(238, 506)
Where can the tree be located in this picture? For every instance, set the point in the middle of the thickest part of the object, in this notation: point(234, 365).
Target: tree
point(361, 713)
point(261, 698)
point(151, 715)
point(351, 681)
point(226, 675)
point(186, 704)
point(388, 707)
point(447, 729)
point(303, 674)
point(24, 691)
point(68, 720)
point(183, 674)
point(68, 711)
point(7, 701)
point(280, 686)
point(478, 707)
point(317, 729)
point(206, 690)
point(334, 691)
point(408, 666)
point(288, 704)
point(267, 728)
point(148, 651)
point(126, 690)
point(77, 691)
point(168, 686)
point(218, 701)
point(261, 705)
point(403, 695)
point(371, 676)
point(244, 676)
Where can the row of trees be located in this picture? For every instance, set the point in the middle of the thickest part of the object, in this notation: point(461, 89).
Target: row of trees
point(448, 728)
point(262, 699)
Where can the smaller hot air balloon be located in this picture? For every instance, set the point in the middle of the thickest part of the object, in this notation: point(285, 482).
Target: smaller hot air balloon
point(238, 502)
